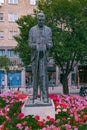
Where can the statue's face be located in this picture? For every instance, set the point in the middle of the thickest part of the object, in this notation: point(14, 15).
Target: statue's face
point(41, 20)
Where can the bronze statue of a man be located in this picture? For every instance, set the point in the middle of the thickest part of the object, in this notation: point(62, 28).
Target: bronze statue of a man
point(40, 41)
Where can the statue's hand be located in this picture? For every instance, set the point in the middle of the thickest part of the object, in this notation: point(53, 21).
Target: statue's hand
point(41, 47)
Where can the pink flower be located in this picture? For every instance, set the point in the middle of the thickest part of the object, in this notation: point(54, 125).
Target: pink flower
point(21, 106)
point(75, 128)
point(19, 126)
point(26, 128)
point(1, 127)
point(68, 127)
point(45, 129)
point(52, 127)
point(57, 121)
point(20, 115)
point(9, 119)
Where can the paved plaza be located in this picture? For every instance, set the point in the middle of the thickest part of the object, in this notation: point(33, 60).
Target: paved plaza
point(52, 90)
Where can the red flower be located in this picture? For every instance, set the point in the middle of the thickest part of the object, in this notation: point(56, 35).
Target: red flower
point(76, 121)
point(68, 121)
point(30, 127)
point(82, 112)
point(48, 117)
point(14, 114)
point(80, 119)
point(20, 115)
point(7, 129)
point(85, 117)
point(74, 126)
point(37, 117)
point(54, 98)
point(69, 112)
point(81, 123)
point(24, 123)
point(52, 120)
point(40, 123)
point(63, 105)
point(64, 119)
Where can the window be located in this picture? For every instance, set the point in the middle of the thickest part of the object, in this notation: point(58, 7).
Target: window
point(2, 52)
point(1, 17)
point(2, 75)
point(12, 34)
point(17, 54)
point(10, 53)
point(1, 1)
point(12, 17)
point(33, 2)
point(1, 34)
point(13, 1)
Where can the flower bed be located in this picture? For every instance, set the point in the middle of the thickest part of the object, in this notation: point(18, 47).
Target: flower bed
point(70, 113)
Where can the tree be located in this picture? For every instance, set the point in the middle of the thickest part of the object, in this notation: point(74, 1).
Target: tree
point(68, 20)
point(24, 24)
point(4, 63)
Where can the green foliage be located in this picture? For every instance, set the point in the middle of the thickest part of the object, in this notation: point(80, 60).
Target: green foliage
point(5, 63)
point(12, 125)
point(69, 27)
point(82, 127)
point(62, 115)
point(31, 121)
point(2, 102)
point(28, 119)
point(14, 109)
point(68, 21)
point(24, 23)
point(2, 119)
point(85, 110)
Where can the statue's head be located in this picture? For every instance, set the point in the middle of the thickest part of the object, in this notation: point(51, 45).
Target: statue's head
point(41, 19)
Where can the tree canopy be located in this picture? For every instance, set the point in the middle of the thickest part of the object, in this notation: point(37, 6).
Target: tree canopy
point(24, 24)
point(4, 63)
point(69, 26)
point(68, 21)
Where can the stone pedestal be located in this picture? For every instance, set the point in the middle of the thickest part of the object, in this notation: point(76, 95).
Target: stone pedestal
point(39, 108)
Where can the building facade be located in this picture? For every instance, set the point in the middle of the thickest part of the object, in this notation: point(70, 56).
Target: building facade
point(10, 11)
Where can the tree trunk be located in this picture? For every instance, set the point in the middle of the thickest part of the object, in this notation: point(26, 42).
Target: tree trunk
point(65, 85)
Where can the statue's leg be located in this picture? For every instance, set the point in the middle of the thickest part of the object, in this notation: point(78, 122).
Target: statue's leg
point(35, 81)
point(43, 81)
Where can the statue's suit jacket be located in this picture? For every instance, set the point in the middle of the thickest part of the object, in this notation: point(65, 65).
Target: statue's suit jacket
point(34, 38)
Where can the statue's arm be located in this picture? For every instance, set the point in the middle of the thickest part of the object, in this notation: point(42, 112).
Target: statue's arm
point(49, 43)
point(31, 43)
